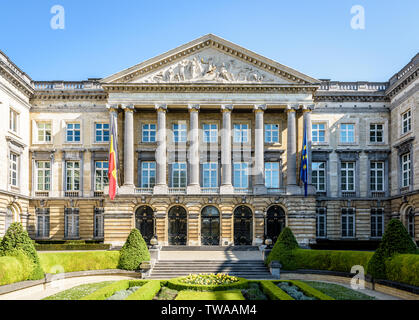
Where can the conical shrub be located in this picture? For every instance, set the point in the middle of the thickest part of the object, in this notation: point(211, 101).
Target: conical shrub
point(133, 252)
point(17, 241)
point(283, 250)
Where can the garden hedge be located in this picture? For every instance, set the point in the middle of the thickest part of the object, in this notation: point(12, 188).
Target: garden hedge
point(56, 262)
point(65, 246)
point(15, 269)
point(176, 284)
point(109, 290)
point(146, 292)
point(273, 291)
point(133, 252)
point(308, 290)
point(403, 268)
point(214, 295)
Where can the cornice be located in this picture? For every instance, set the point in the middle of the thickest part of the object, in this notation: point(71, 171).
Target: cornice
point(350, 97)
point(11, 76)
point(98, 95)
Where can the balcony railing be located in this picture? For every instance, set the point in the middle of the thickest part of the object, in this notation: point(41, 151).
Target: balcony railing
point(144, 190)
point(348, 194)
point(42, 194)
point(274, 190)
point(378, 194)
point(177, 190)
point(242, 190)
point(98, 194)
point(71, 194)
point(210, 190)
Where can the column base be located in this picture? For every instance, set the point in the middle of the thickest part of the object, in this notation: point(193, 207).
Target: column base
point(227, 189)
point(161, 189)
point(193, 189)
point(293, 189)
point(126, 189)
point(260, 189)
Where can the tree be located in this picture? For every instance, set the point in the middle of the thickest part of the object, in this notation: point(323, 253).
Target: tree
point(133, 252)
point(282, 250)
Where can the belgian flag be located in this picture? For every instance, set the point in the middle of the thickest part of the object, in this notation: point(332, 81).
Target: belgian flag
point(113, 157)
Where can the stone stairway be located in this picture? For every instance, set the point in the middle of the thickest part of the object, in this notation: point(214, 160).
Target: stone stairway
point(249, 269)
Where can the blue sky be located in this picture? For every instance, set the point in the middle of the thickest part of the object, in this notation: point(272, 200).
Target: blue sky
point(102, 37)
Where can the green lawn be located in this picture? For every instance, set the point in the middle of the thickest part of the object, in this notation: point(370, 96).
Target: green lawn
point(78, 292)
point(338, 292)
point(215, 295)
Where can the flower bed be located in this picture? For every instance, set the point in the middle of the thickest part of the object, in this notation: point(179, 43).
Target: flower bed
point(207, 282)
point(209, 279)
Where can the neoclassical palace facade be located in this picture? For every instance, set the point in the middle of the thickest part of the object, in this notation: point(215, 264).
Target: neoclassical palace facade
point(209, 144)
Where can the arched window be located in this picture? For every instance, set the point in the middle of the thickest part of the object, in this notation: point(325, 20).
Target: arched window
point(410, 219)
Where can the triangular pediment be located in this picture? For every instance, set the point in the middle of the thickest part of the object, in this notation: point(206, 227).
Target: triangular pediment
point(210, 59)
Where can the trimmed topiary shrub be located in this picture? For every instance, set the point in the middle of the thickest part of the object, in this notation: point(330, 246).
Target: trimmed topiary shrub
point(395, 240)
point(133, 252)
point(283, 250)
point(17, 239)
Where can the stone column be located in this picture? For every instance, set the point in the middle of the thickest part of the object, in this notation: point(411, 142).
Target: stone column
point(161, 152)
point(259, 170)
point(307, 122)
point(292, 187)
point(193, 186)
point(129, 146)
point(226, 185)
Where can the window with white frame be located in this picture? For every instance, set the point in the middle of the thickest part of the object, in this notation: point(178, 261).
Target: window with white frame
point(377, 222)
point(241, 133)
point(44, 131)
point(101, 132)
point(376, 176)
point(71, 223)
point(14, 169)
point(272, 175)
point(348, 222)
point(43, 175)
point(406, 122)
point(98, 228)
point(73, 132)
point(410, 216)
point(210, 133)
point(149, 132)
point(72, 175)
point(271, 133)
point(180, 132)
point(148, 174)
point(321, 222)
point(347, 176)
point(241, 175)
point(318, 132)
point(13, 120)
point(347, 133)
point(406, 170)
point(42, 225)
point(376, 132)
point(101, 175)
point(179, 175)
point(318, 176)
point(210, 175)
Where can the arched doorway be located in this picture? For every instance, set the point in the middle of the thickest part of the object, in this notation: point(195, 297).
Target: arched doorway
point(177, 226)
point(210, 226)
point(144, 222)
point(243, 226)
point(275, 222)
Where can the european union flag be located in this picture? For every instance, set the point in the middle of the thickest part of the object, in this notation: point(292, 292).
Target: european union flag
point(304, 163)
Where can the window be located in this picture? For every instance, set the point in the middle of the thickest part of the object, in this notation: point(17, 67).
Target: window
point(72, 176)
point(43, 175)
point(376, 133)
point(411, 222)
point(71, 223)
point(318, 133)
point(13, 169)
point(210, 173)
point(241, 134)
point(321, 222)
point(102, 132)
point(148, 174)
point(318, 176)
point(376, 176)
point(347, 133)
point(42, 219)
point(406, 172)
point(44, 131)
point(98, 230)
point(348, 222)
point(241, 175)
point(347, 171)
point(406, 122)
point(377, 222)
point(73, 132)
point(149, 133)
point(179, 133)
point(210, 133)
point(101, 175)
point(8, 219)
point(272, 175)
point(13, 120)
point(271, 133)
point(179, 175)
